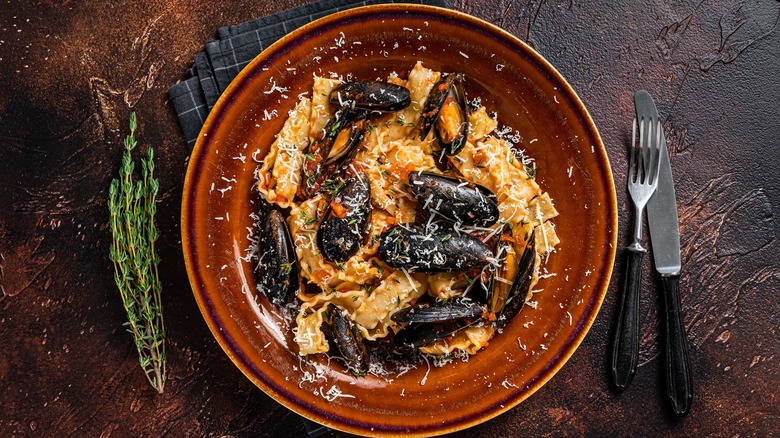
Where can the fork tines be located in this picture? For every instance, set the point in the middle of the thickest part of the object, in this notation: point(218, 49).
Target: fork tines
point(649, 150)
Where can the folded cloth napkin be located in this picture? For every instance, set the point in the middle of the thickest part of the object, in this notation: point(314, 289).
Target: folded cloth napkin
point(231, 51)
point(235, 47)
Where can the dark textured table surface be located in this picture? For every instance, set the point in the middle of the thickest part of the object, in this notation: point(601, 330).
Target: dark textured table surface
point(73, 71)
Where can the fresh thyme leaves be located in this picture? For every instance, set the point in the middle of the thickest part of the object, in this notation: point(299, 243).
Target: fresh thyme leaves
point(132, 209)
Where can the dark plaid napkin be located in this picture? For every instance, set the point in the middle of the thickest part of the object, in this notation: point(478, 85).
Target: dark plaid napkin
point(231, 51)
point(235, 47)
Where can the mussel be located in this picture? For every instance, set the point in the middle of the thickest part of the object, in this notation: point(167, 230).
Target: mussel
point(446, 112)
point(507, 289)
point(440, 311)
point(347, 338)
point(511, 281)
point(410, 247)
point(345, 226)
point(277, 266)
point(335, 146)
point(455, 199)
point(420, 335)
point(373, 96)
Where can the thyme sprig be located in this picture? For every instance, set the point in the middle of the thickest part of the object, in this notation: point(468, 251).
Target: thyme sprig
point(132, 210)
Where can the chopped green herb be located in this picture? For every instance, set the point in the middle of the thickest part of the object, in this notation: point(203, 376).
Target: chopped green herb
point(531, 171)
point(338, 266)
point(286, 267)
point(400, 121)
point(335, 128)
point(310, 156)
point(355, 297)
point(352, 222)
point(446, 238)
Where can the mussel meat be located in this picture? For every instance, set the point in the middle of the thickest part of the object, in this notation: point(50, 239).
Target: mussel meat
point(373, 96)
point(446, 112)
point(345, 225)
point(455, 199)
point(410, 247)
point(347, 338)
point(512, 281)
point(334, 148)
point(277, 266)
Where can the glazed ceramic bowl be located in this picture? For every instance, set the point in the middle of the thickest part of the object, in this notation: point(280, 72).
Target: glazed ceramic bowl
point(527, 93)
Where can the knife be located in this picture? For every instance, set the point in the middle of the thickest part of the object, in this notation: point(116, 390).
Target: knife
point(665, 241)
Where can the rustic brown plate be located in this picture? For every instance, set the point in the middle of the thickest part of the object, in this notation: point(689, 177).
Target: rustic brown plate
point(528, 94)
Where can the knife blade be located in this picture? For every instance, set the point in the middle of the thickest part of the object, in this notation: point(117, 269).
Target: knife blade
point(665, 241)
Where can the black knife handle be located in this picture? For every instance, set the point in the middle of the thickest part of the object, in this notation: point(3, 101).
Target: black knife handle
point(679, 385)
point(625, 346)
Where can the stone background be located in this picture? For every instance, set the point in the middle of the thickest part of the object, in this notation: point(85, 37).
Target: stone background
point(72, 71)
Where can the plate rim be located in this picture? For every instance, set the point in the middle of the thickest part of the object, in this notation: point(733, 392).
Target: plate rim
point(205, 305)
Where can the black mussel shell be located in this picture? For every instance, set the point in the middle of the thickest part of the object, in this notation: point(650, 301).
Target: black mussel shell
point(420, 335)
point(508, 306)
point(455, 199)
point(346, 223)
point(409, 247)
point(347, 338)
point(371, 96)
point(446, 111)
point(440, 311)
point(277, 265)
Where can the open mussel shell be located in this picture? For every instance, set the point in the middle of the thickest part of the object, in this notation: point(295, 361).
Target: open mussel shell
point(332, 151)
point(410, 247)
point(455, 199)
point(347, 338)
point(373, 96)
point(440, 311)
point(346, 138)
point(507, 300)
point(277, 267)
point(345, 226)
point(446, 112)
point(420, 335)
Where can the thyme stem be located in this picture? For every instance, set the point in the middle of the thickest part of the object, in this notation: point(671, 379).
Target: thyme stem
point(132, 212)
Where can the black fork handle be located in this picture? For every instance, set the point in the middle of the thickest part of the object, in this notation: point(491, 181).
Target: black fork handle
point(625, 345)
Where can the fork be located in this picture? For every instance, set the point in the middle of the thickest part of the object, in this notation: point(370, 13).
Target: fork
point(642, 182)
